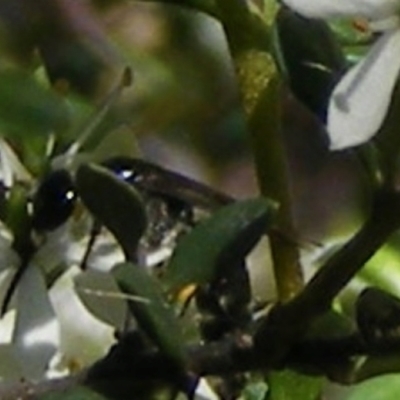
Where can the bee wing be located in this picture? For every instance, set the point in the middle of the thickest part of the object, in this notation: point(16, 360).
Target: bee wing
point(156, 180)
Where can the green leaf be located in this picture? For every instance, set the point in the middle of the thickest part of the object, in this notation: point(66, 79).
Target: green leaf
point(289, 385)
point(115, 203)
point(151, 310)
point(312, 58)
point(28, 109)
point(76, 393)
point(386, 387)
point(100, 295)
point(223, 239)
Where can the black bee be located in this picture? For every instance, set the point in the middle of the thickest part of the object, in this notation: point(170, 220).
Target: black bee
point(172, 200)
point(53, 202)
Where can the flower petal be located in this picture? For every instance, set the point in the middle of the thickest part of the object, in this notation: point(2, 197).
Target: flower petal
point(361, 99)
point(36, 335)
point(374, 9)
point(8, 257)
point(204, 392)
point(11, 167)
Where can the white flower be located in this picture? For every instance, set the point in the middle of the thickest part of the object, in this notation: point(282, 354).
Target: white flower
point(46, 333)
point(36, 332)
point(361, 99)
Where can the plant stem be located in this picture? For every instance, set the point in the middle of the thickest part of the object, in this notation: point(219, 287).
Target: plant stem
point(260, 92)
point(123, 368)
point(272, 171)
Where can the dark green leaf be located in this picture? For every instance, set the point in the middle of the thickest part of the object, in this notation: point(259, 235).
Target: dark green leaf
point(312, 58)
point(77, 393)
point(151, 310)
point(218, 242)
point(115, 203)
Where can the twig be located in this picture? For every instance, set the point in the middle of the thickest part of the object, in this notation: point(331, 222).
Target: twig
point(124, 368)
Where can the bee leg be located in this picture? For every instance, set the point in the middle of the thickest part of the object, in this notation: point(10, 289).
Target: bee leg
point(94, 232)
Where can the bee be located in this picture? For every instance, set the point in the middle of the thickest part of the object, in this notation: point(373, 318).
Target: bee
point(173, 202)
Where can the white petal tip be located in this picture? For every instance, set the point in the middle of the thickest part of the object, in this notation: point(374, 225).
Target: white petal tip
point(204, 391)
point(346, 140)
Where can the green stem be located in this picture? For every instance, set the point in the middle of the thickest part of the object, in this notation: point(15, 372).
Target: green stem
point(260, 91)
point(272, 172)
